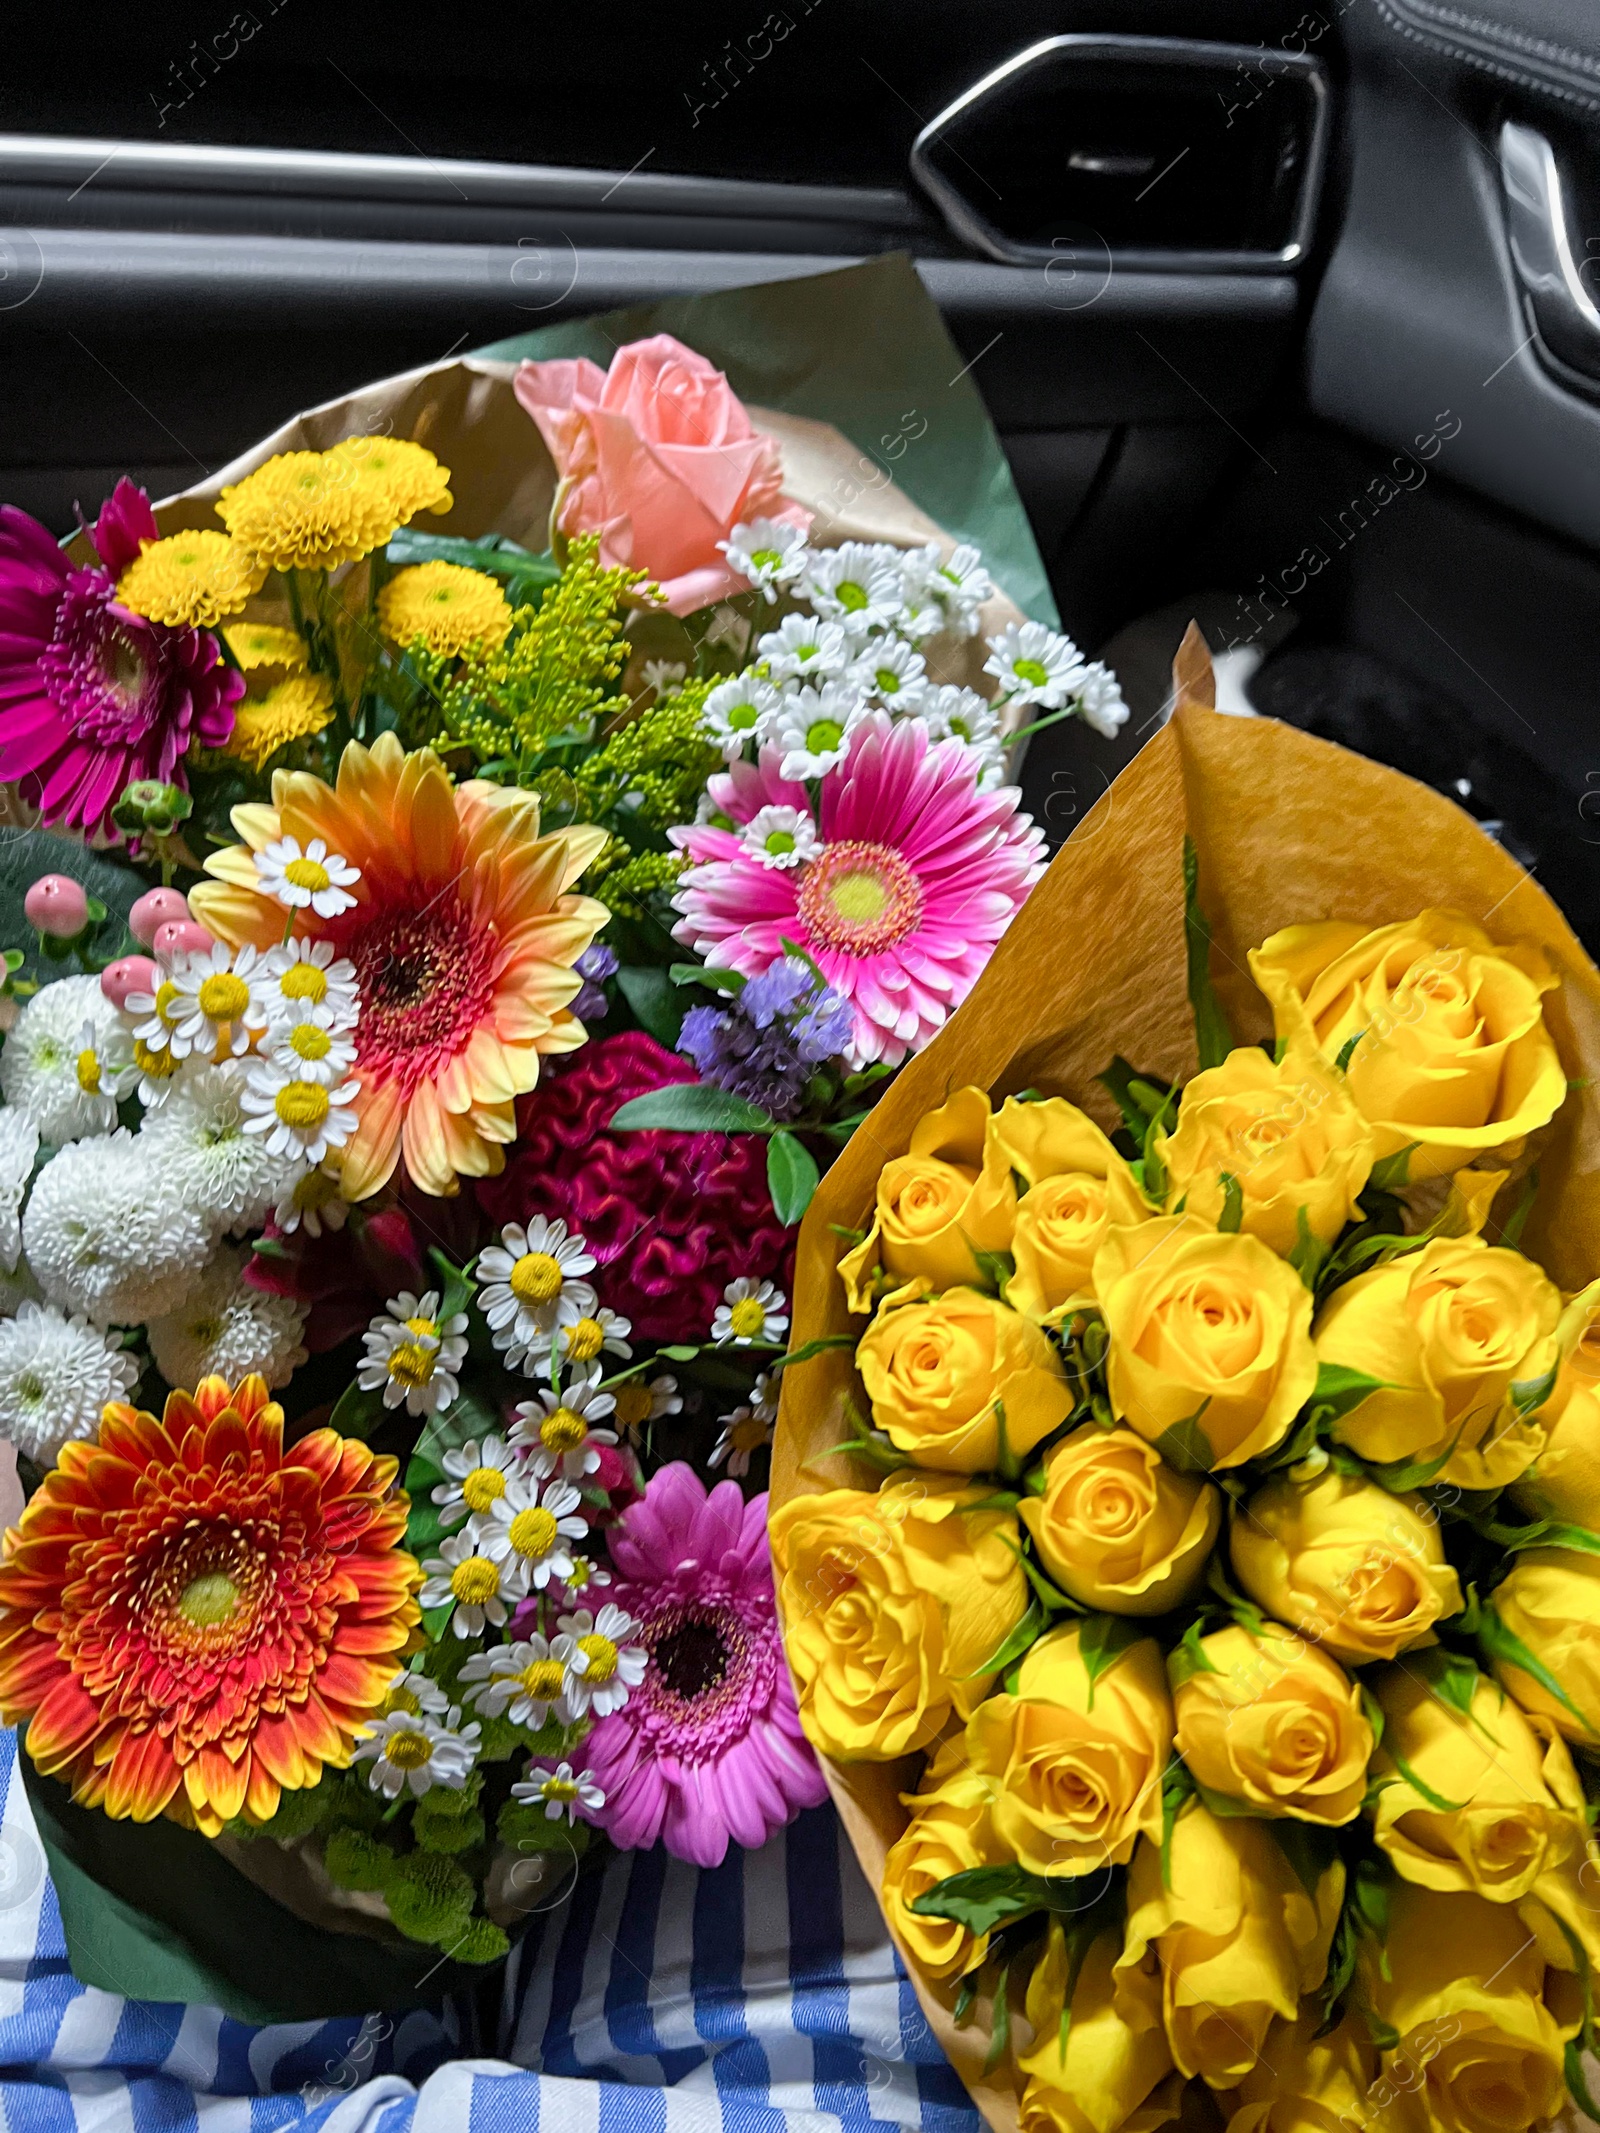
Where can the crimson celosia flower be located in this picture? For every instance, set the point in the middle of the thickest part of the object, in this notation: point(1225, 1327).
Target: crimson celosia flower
point(193, 1620)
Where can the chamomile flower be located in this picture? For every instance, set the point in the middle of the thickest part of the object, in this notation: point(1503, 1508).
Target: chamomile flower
point(961, 585)
point(559, 1793)
point(579, 1346)
point(150, 1072)
point(639, 1403)
point(804, 648)
point(893, 672)
point(202, 1138)
point(813, 727)
point(767, 553)
point(531, 1283)
point(1034, 665)
point(780, 836)
point(477, 1476)
point(527, 1682)
point(963, 715)
point(744, 1433)
point(216, 1008)
point(56, 1374)
point(414, 1354)
point(857, 585)
point(412, 1692)
point(561, 1433)
point(19, 1145)
point(469, 1582)
point(311, 880)
point(605, 1666)
point(924, 614)
point(1100, 703)
point(765, 1394)
point(225, 1328)
point(749, 1311)
point(299, 1116)
point(305, 979)
point(59, 1064)
point(307, 1051)
point(529, 1532)
point(411, 1752)
point(585, 1572)
point(313, 1203)
point(738, 711)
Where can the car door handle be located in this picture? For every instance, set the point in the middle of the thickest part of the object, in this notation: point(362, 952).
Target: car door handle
point(1562, 311)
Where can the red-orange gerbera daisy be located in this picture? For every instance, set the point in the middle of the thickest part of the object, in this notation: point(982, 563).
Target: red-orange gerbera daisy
point(192, 1620)
point(463, 938)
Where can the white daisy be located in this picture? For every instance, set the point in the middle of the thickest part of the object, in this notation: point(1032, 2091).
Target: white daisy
point(560, 1430)
point(303, 979)
point(414, 1692)
point(465, 1579)
point(579, 1346)
point(605, 1665)
point(780, 836)
point(58, 1061)
point(1100, 703)
point(531, 1283)
point(202, 1140)
point(924, 614)
point(409, 1751)
point(107, 1235)
point(154, 1018)
point(414, 1354)
point(1034, 665)
point(805, 648)
point(749, 1311)
point(893, 672)
point(56, 1374)
point(150, 1073)
point(744, 1433)
point(767, 553)
point(311, 880)
point(559, 1793)
point(218, 1005)
point(813, 728)
point(639, 1403)
point(857, 585)
point(300, 1117)
point(313, 1202)
point(478, 1476)
point(527, 1682)
point(19, 1145)
point(765, 1394)
point(738, 711)
point(528, 1532)
point(962, 585)
point(585, 1572)
point(963, 715)
point(225, 1328)
point(309, 1051)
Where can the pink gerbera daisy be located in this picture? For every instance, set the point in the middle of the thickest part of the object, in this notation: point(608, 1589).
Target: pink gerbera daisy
point(708, 1748)
point(915, 876)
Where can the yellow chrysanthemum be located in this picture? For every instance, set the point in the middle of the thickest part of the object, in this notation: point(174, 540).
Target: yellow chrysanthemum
point(408, 473)
point(308, 511)
point(260, 644)
point(448, 606)
point(300, 706)
point(191, 580)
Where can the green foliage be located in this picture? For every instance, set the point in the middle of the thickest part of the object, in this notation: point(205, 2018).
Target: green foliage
point(525, 1827)
point(356, 1860)
point(481, 1942)
point(298, 1812)
point(627, 884)
point(658, 763)
point(429, 1897)
point(446, 1821)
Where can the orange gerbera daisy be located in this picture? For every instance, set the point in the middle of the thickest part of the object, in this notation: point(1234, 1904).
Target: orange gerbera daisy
point(192, 1621)
point(463, 938)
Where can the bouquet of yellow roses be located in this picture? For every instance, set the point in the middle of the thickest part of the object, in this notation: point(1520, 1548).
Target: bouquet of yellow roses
point(1205, 1647)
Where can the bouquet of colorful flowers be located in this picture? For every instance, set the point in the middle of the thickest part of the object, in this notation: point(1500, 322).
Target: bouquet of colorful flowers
point(1230, 1571)
point(403, 1137)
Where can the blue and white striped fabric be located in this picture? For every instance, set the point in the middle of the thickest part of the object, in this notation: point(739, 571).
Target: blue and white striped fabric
point(760, 1997)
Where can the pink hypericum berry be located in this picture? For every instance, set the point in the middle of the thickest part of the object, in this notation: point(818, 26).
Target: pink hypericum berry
point(130, 973)
point(180, 936)
point(153, 910)
point(57, 905)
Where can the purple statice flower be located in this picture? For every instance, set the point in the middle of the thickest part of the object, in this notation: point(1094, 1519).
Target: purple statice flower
point(594, 966)
point(773, 1032)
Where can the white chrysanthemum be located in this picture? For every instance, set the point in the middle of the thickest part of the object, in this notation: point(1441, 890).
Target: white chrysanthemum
point(749, 1311)
point(153, 1018)
point(56, 1374)
point(414, 1354)
point(199, 1141)
point(559, 1793)
point(304, 980)
point(605, 1665)
point(961, 586)
point(531, 1284)
point(413, 1692)
point(579, 1344)
point(467, 1580)
point(963, 715)
point(1100, 701)
point(409, 1751)
point(738, 711)
point(311, 880)
point(225, 1328)
point(813, 728)
point(780, 836)
point(477, 1476)
point(559, 1431)
point(892, 671)
point(924, 614)
point(527, 1682)
point(744, 1433)
point(858, 585)
point(19, 1144)
point(805, 648)
point(296, 1116)
point(529, 1532)
point(308, 1051)
point(61, 1055)
point(767, 553)
point(313, 1202)
point(1034, 665)
point(217, 1006)
point(107, 1235)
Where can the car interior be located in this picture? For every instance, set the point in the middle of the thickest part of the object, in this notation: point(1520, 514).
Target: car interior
point(1287, 311)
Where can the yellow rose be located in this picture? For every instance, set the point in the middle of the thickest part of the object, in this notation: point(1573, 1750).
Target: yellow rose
point(891, 1604)
point(1550, 1599)
point(1454, 1059)
point(1464, 1985)
point(1273, 1723)
point(1111, 2072)
point(1077, 1761)
point(949, 1833)
point(941, 1374)
point(1449, 1331)
point(1564, 1481)
point(1118, 1529)
point(1344, 1561)
point(947, 1198)
point(1077, 1187)
point(1307, 2083)
point(1239, 1938)
point(1211, 1356)
point(1288, 1133)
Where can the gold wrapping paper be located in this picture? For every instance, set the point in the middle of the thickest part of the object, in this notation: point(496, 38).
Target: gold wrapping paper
point(1288, 828)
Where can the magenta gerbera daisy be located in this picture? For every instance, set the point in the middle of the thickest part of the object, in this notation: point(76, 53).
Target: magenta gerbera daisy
point(708, 1750)
point(914, 877)
point(93, 696)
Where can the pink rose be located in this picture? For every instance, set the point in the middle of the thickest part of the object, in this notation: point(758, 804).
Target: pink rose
point(658, 457)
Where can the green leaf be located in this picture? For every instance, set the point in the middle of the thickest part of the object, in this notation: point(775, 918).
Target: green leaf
point(1435, 1800)
point(1141, 1098)
point(527, 576)
point(1012, 1647)
point(1189, 1657)
point(1347, 1049)
point(1392, 1171)
point(1232, 1216)
point(1551, 1533)
point(1310, 1851)
point(1529, 1394)
point(1213, 1038)
point(1102, 1641)
point(1497, 1643)
point(691, 1107)
point(792, 1177)
point(802, 1354)
point(1339, 1389)
point(1053, 1600)
point(707, 974)
point(1000, 2020)
point(1185, 1444)
point(651, 995)
point(1517, 1221)
point(1450, 1675)
point(1177, 1789)
point(1374, 1714)
point(983, 1897)
point(355, 1411)
point(1578, 2080)
point(1310, 1254)
point(966, 1993)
